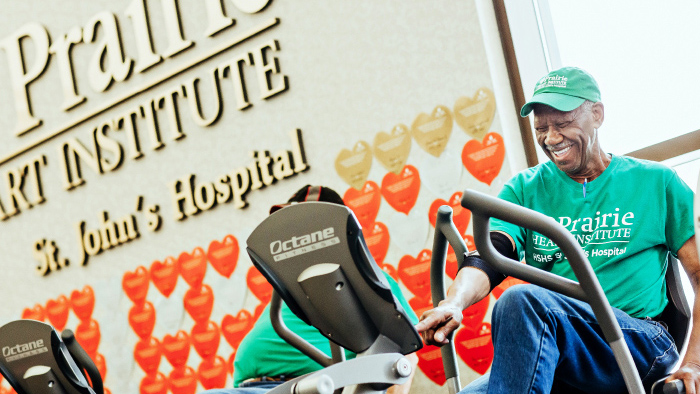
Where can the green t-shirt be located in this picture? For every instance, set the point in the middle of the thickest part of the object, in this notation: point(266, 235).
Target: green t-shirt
point(633, 214)
point(263, 353)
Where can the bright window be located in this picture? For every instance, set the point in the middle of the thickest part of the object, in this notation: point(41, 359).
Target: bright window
point(645, 57)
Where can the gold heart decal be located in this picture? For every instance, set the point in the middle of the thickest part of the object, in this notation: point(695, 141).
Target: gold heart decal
point(353, 166)
point(474, 115)
point(392, 149)
point(432, 132)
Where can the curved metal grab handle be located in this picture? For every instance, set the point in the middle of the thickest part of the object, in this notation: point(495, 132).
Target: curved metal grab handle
point(445, 231)
point(588, 289)
point(83, 361)
point(291, 337)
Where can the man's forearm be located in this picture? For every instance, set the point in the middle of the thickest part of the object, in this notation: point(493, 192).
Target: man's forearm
point(470, 286)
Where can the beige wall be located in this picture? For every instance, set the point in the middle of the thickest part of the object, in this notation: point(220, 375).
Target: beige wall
point(345, 72)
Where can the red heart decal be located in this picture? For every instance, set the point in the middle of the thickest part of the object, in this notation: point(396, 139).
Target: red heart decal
point(164, 275)
point(401, 191)
point(430, 362)
point(420, 305)
point(88, 335)
point(364, 203)
point(451, 265)
point(57, 312)
point(154, 384)
point(507, 282)
point(390, 269)
point(142, 319)
point(83, 302)
point(101, 365)
point(147, 354)
point(473, 316)
point(475, 348)
point(205, 338)
point(258, 285)
point(235, 328)
point(36, 313)
point(484, 159)
point(460, 215)
point(177, 348)
point(135, 284)
point(199, 302)
point(415, 273)
point(223, 256)
point(258, 311)
point(212, 373)
point(182, 380)
point(193, 266)
point(377, 239)
point(229, 362)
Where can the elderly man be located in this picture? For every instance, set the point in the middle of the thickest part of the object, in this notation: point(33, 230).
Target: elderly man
point(627, 214)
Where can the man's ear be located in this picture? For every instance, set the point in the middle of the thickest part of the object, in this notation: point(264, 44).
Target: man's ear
point(598, 111)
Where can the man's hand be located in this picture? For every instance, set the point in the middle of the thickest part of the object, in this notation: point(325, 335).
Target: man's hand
point(470, 286)
point(689, 373)
point(436, 324)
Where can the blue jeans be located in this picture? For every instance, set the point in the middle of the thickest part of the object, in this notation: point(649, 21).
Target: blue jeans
point(543, 339)
point(246, 388)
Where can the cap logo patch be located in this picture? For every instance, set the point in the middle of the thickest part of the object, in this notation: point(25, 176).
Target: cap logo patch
point(557, 81)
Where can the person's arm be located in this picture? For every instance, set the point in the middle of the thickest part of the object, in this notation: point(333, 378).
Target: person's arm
point(475, 280)
point(406, 387)
point(470, 286)
point(689, 370)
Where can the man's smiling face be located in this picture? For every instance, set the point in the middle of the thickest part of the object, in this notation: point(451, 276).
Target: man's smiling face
point(570, 139)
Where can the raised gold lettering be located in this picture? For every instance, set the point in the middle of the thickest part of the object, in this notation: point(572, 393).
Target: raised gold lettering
point(183, 199)
point(176, 41)
point(192, 94)
point(74, 151)
point(168, 101)
point(250, 6)
point(240, 185)
point(215, 15)
point(266, 69)
point(61, 49)
point(282, 167)
point(22, 75)
point(149, 113)
point(108, 145)
point(127, 122)
point(238, 81)
point(138, 13)
point(117, 66)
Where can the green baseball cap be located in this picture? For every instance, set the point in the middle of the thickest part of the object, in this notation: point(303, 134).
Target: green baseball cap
point(564, 89)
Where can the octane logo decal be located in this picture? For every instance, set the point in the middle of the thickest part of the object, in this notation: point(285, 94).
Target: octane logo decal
point(295, 246)
point(24, 350)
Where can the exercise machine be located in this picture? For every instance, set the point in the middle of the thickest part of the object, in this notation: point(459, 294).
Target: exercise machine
point(37, 360)
point(316, 259)
point(588, 289)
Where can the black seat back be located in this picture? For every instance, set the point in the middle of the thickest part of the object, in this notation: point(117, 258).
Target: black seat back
point(315, 257)
point(36, 361)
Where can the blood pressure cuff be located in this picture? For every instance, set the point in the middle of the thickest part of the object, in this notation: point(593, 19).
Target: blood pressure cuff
point(504, 246)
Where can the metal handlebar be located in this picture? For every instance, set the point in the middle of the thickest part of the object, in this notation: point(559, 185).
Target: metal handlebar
point(445, 231)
